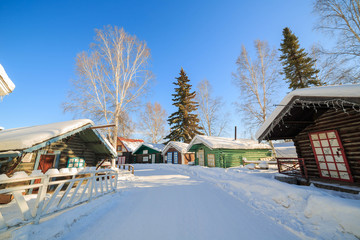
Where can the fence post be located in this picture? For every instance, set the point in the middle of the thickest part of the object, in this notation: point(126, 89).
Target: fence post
point(92, 186)
point(116, 180)
point(41, 197)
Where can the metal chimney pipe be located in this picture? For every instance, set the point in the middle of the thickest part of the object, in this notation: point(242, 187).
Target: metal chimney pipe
point(235, 132)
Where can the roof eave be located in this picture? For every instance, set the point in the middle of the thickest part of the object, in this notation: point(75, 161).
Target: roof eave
point(55, 139)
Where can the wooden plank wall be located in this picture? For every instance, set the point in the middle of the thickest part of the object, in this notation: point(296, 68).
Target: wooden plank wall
point(348, 127)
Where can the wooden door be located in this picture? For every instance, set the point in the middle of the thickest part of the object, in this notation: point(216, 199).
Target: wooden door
point(201, 157)
point(169, 157)
point(330, 156)
point(211, 160)
point(175, 157)
point(46, 162)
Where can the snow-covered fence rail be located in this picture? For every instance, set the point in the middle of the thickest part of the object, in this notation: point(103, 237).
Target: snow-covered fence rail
point(55, 191)
point(129, 167)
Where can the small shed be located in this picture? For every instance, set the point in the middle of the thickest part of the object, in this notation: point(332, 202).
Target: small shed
point(6, 85)
point(148, 153)
point(226, 152)
point(57, 145)
point(125, 148)
point(176, 153)
point(324, 124)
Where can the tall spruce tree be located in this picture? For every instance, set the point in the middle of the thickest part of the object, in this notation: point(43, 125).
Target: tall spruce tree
point(299, 69)
point(184, 125)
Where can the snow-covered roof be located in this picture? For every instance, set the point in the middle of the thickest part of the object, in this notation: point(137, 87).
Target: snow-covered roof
point(27, 137)
point(180, 146)
point(6, 85)
point(227, 143)
point(328, 92)
point(155, 146)
point(131, 144)
point(286, 149)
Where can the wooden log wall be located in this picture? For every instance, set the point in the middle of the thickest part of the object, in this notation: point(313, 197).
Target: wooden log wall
point(70, 147)
point(74, 147)
point(139, 158)
point(348, 126)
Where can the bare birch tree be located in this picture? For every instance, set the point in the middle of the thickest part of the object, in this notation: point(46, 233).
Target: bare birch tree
point(256, 81)
point(111, 77)
point(212, 119)
point(153, 122)
point(333, 69)
point(126, 126)
point(341, 18)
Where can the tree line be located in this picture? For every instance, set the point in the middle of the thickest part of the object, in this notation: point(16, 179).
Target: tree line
point(113, 75)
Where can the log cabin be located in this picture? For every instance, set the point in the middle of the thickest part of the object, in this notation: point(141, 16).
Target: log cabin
point(226, 152)
point(176, 153)
point(56, 145)
point(324, 124)
point(125, 148)
point(6, 85)
point(148, 153)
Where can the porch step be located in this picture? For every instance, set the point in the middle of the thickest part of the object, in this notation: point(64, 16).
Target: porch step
point(330, 186)
point(347, 189)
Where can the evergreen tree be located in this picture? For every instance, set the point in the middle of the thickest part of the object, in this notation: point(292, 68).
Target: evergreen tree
point(183, 124)
point(299, 69)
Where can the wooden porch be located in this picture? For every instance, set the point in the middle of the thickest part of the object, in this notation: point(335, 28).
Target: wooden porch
point(293, 171)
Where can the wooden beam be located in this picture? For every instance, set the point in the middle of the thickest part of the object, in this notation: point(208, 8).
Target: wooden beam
point(103, 126)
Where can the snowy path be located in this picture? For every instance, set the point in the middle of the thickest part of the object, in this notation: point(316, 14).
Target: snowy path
point(166, 205)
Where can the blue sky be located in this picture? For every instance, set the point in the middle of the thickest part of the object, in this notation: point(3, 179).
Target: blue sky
point(39, 41)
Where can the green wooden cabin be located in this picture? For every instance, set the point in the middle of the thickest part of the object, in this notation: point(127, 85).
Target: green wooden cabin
point(148, 153)
point(226, 152)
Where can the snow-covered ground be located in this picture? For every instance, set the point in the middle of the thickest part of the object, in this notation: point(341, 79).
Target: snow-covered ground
point(192, 202)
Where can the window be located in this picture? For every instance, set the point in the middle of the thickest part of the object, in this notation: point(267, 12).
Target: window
point(145, 151)
point(119, 148)
point(330, 155)
point(76, 162)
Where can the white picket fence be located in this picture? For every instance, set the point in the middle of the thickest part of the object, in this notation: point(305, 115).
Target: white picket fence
point(55, 192)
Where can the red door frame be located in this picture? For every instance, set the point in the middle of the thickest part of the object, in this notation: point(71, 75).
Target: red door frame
point(341, 150)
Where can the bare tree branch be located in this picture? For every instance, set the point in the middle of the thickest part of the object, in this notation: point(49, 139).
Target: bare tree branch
point(111, 78)
point(341, 18)
point(256, 81)
point(153, 122)
point(212, 119)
